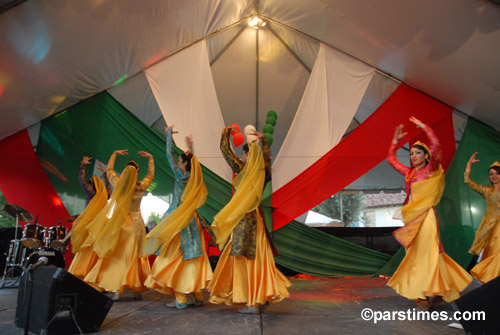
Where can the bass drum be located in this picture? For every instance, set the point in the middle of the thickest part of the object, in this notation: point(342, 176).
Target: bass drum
point(53, 255)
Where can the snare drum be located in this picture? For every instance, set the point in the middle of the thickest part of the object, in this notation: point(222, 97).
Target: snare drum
point(33, 235)
point(56, 233)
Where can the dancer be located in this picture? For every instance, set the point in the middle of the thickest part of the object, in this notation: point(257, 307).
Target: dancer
point(182, 266)
point(246, 272)
point(118, 231)
point(88, 187)
point(488, 233)
point(97, 197)
point(426, 271)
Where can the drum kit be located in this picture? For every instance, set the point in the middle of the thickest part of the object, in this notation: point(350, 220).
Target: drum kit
point(36, 241)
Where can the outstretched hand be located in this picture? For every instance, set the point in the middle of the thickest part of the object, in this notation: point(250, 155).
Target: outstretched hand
point(417, 122)
point(121, 152)
point(86, 160)
point(398, 133)
point(171, 127)
point(189, 142)
point(471, 161)
point(144, 154)
point(257, 133)
point(100, 167)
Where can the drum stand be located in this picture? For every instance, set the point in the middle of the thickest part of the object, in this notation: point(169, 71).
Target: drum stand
point(10, 267)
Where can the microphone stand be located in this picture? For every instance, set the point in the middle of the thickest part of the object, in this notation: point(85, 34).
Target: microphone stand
point(28, 297)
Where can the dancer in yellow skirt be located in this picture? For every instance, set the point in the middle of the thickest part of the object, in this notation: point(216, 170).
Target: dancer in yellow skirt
point(117, 232)
point(246, 272)
point(426, 271)
point(98, 193)
point(488, 233)
point(182, 266)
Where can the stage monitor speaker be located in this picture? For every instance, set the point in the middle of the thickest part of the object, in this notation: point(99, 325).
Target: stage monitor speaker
point(484, 298)
point(60, 302)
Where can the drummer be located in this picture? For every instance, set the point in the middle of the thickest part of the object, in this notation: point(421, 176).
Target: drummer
point(89, 187)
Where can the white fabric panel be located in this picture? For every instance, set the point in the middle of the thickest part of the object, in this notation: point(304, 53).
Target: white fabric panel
point(282, 81)
point(184, 89)
point(234, 76)
point(56, 53)
point(136, 95)
point(332, 96)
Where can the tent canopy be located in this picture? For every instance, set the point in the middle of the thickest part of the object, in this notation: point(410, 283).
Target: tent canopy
point(58, 53)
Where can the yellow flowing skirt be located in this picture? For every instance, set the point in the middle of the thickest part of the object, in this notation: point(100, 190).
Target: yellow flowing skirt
point(171, 273)
point(83, 261)
point(123, 269)
point(424, 272)
point(239, 280)
point(489, 266)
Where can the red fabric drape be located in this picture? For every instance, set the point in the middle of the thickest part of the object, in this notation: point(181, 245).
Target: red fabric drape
point(362, 150)
point(24, 183)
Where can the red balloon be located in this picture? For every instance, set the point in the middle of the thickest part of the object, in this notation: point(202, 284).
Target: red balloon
point(238, 139)
point(235, 127)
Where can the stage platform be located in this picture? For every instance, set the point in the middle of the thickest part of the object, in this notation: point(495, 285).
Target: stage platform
point(316, 306)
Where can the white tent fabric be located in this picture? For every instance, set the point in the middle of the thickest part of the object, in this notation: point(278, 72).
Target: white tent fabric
point(337, 84)
point(184, 89)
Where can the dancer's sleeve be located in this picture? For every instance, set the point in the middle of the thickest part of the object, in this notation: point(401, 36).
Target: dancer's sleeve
point(232, 160)
point(391, 158)
point(110, 170)
point(481, 189)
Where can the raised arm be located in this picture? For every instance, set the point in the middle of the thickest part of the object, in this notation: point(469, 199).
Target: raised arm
point(391, 156)
point(110, 170)
point(169, 142)
point(106, 180)
point(434, 144)
point(144, 184)
point(469, 182)
point(234, 162)
point(81, 176)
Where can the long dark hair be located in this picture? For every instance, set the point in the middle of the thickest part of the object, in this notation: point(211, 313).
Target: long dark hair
point(186, 157)
point(245, 148)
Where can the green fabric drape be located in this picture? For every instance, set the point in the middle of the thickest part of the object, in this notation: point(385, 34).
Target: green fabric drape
point(97, 127)
point(310, 251)
point(457, 222)
point(100, 125)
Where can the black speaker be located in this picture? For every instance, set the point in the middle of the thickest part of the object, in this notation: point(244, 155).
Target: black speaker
point(483, 299)
point(60, 303)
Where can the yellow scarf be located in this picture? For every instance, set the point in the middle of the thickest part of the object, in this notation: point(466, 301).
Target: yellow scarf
point(249, 184)
point(79, 232)
point(193, 197)
point(104, 230)
point(425, 194)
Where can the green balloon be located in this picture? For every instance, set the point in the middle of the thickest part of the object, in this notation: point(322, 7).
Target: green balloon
point(272, 113)
point(268, 129)
point(271, 120)
point(269, 138)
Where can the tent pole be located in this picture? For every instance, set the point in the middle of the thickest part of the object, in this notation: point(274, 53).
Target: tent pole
point(257, 79)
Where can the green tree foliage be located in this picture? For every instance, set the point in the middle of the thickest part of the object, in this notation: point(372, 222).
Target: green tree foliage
point(6, 220)
point(351, 207)
point(154, 217)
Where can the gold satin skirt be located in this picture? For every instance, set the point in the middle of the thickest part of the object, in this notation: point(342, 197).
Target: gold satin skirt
point(171, 273)
point(489, 266)
point(83, 261)
point(239, 280)
point(123, 269)
point(424, 272)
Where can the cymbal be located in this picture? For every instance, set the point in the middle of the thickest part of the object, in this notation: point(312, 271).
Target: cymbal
point(72, 218)
point(20, 212)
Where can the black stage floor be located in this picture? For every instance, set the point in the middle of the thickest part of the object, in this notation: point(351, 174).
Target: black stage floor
point(316, 306)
